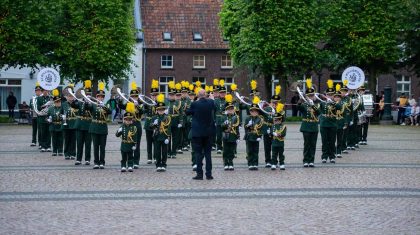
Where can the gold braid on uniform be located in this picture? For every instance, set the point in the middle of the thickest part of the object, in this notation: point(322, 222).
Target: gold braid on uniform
point(176, 109)
point(279, 137)
point(264, 122)
point(164, 125)
point(257, 127)
point(233, 126)
point(131, 134)
point(313, 116)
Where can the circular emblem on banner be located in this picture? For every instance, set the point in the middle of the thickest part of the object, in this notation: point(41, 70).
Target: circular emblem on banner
point(355, 77)
point(48, 78)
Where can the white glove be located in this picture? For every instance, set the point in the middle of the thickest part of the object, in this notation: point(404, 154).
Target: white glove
point(136, 103)
point(311, 102)
point(268, 131)
point(101, 104)
point(120, 130)
point(49, 119)
point(329, 100)
point(179, 125)
point(275, 134)
point(166, 141)
point(351, 123)
point(155, 123)
point(226, 122)
point(166, 111)
point(258, 139)
point(224, 112)
point(133, 148)
point(237, 141)
point(249, 123)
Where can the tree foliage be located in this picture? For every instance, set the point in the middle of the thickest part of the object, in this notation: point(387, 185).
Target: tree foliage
point(86, 39)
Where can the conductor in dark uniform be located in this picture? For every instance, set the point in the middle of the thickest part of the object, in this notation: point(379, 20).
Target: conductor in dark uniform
point(202, 130)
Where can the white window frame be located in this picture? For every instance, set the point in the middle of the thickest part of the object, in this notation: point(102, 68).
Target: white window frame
point(197, 36)
point(167, 39)
point(165, 83)
point(404, 80)
point(224, 58)
point(197, 58)
point(166, 60)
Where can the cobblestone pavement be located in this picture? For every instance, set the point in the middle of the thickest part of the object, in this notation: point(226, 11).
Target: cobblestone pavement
point(375, 190)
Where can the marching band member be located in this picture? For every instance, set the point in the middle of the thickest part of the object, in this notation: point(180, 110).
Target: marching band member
point(174, 110)
point(150, 111)
point(341, 122)
point(328, 124)
point(279, 133)
point(136, 119)
point(99, 127)
point(161, 124)
point(35, 131)
point(128, 134)
point(231, 135)
point(69, 127)
point(347, 113)
point(43, 125)
point(185, 103)
point(268, 122)
point(253, 134)
point(309, 126)
point(352, 138)
point(220, 108)
point(84, 119)
point(55, 118)
point(364, 122)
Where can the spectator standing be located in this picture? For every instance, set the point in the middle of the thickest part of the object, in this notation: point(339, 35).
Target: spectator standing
point(294, 102)
point(415, 112)
point(11, 102)
point(402, 103)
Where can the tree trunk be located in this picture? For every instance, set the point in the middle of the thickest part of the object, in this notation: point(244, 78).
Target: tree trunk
point(267, 86)
point(372, 81)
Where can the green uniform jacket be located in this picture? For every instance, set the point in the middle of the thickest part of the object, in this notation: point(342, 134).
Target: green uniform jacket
point(268, 121)
point(99, 119)
point(55, 114)
point(176, 112)
point(281, 130)
point(162, 130)
point(185, 104)
point(220, 108)
point(149, 112)
point(348, 109)
point(71, 115)
point(84, 115)
point(137, 115)
point(40, 101)
point(231, 128)
point(128, 137)
point(253, 132)
point(310, 117)
point(328, 114)
point(341, 121)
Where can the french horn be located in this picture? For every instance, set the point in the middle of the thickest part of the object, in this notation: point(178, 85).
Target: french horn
point(243, 99)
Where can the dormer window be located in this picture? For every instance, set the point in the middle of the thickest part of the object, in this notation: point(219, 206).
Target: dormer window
point(197, 36)
point(167, 36)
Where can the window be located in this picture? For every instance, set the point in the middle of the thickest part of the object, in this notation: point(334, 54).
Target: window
point(166, 62)
point(3, 82)
point(199, 62)
point(15, 82)
point(167, 36)
point(201, 79)
point(197, 36)
point(163, 84)
point(403, 86)
point(226, 62)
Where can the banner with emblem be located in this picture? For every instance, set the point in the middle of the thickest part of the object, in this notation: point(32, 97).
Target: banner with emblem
point(355, 77)
point(48, 78)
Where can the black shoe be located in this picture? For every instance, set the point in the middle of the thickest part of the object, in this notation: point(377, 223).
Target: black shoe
point(198, 177)
point(54, 154)
point(209, 177)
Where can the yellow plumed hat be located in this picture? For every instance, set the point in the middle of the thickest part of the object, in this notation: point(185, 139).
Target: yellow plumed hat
point(279, 107)
point(133, 86)
point(337, 87)
point(178, 86)
point(233, 87)
point(228, 98)
point(211, 88)
point(101, 86)
point(171, 84)
point(256, 100)
point(345, 82)
point(216, 82)
point(88, 84)
point(278, 90)
point(191, 87)
point(221, 82)
point(309, 82)
point(130, 107)
point(330, 83)
point(160, 98)
point(198, 84)
point(155, 84)
point(55, 93)
point(253, 85)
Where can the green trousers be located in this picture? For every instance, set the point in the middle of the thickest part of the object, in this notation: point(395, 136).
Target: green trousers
point(228, 153)
point(149, 144)
point(252, 152)
point(160, 152)
point(277, 153)
point(84, 140)
point(268, 139)
point(57, 141)
point(127, 158)
point(345, 138)
point(339, 146)
point(99, 143)
point(309, 146)
point(185, 130)
point(35, 131)
point(45, 140)
point(352, 135)
point(137, 151)
point(70, 142)
point(328, 136)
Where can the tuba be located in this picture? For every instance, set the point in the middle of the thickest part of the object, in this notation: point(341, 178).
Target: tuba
point(45, 107)
point(243, 99)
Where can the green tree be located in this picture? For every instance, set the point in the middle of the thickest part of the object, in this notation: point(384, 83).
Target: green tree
point(271, 36)
point(28, 32)
point(365, 33)
point(96, 39)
